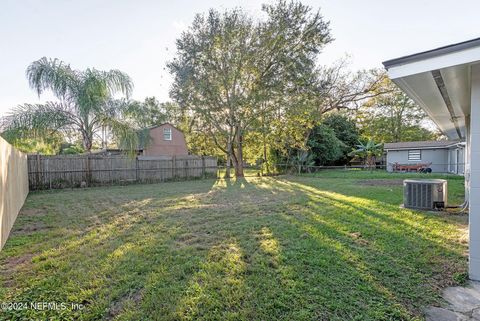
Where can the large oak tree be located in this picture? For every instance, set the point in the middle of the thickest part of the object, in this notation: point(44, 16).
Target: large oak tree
point(231, 70)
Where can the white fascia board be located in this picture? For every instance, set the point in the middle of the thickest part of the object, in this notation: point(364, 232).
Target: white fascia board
point(415, 148)
point(466, 56)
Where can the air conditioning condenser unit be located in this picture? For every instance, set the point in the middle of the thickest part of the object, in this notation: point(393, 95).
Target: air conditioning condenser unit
point(425, 194)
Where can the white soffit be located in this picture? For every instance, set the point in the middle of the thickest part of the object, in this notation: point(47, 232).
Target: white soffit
point(439, 81)
point(424, 91)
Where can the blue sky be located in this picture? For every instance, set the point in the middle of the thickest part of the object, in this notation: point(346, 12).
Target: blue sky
point(138, 36)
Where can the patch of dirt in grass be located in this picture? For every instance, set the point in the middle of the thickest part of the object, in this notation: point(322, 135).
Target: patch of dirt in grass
point(12, 264)
point(197, 240)
point(381, 182)
point(447, 274)
point(33, 212)
point(359, 240)
point(30, 228)
point(118, 306)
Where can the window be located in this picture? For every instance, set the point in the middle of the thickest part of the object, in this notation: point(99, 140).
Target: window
point(414, 155)
point(167, 134)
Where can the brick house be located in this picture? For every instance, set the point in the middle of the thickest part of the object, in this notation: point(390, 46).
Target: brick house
point(165, 140)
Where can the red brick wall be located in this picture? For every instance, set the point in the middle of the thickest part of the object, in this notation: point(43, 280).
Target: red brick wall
point(160, 147)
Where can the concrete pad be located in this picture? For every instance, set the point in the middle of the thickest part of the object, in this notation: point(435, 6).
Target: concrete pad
point(474, 285)
point(462, 299)
point(476, 315)
point(441, 314)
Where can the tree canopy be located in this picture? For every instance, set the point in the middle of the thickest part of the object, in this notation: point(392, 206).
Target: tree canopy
point(394, 117)
point(231, 70)
point(246, 89)
point(84, 105)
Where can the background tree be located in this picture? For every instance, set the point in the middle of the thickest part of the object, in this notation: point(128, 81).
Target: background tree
point(331, 91)
point(229, 68)
point(50, 145)
point(324, 145)
point(84, 104)
point(394, 117)
point(346, 131)
point(369, 151)
point(144, 114)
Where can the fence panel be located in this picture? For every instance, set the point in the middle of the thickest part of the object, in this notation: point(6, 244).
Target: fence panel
point(47, 172)
point(13, 186)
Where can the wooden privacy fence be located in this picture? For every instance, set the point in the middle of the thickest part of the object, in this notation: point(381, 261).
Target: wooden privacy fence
point(13, 187)
point(47, 172)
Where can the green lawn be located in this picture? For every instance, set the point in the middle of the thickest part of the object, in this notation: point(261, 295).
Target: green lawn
point(327, 246)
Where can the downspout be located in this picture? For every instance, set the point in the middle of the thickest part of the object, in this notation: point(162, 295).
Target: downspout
point(449, 170)
point(466, 157)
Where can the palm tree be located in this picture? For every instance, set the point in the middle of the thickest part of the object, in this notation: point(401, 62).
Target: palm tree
point(85, 104)
point(369, 151)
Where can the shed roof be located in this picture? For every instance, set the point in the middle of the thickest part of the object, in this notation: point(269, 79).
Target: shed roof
point(420, 144)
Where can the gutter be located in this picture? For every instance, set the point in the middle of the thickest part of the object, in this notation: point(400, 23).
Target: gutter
point(422, 148)
point(432, 53)
point(437, 76)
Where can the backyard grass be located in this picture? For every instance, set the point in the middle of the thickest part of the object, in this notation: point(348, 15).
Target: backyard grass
point(326, 246)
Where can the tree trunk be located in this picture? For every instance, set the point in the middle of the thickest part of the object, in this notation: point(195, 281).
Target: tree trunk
point(87, 142)
point(228, 164)
point(239, 154)
point(239, 169)
point(265, 160)
point(227, 167)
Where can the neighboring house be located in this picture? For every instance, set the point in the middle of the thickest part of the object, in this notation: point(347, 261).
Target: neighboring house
point(445, 156)
point(165, 140)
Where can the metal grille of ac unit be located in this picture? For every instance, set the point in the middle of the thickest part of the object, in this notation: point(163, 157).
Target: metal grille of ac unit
point(418, 195)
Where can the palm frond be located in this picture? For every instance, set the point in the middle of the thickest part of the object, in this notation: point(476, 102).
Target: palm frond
point(52, 74)
point(126, 136)
point(118, 81)
point(112, 81)
point(35, 120)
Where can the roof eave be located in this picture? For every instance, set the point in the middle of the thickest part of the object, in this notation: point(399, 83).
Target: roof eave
point(432, 53)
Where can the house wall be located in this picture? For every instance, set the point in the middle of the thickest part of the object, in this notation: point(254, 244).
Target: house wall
point(452, 160)
point(160, 147)
point(456, 160)
point(438, 158)
point(472, 175)
point(461, 161)
point(13, 186)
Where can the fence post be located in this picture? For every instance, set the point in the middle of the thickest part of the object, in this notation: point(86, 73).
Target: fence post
point(174, 167)
point(89, 179)
point(38, 171)
point(136, 169)
point(203, 167)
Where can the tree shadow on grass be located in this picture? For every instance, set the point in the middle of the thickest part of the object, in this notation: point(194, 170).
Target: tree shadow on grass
point(255, 249)
point(412, 261)
point(83, 266)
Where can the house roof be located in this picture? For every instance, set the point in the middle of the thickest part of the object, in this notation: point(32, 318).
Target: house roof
point(155, 126)
point(420, 144)
point(440, 82)
point(432, 53)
